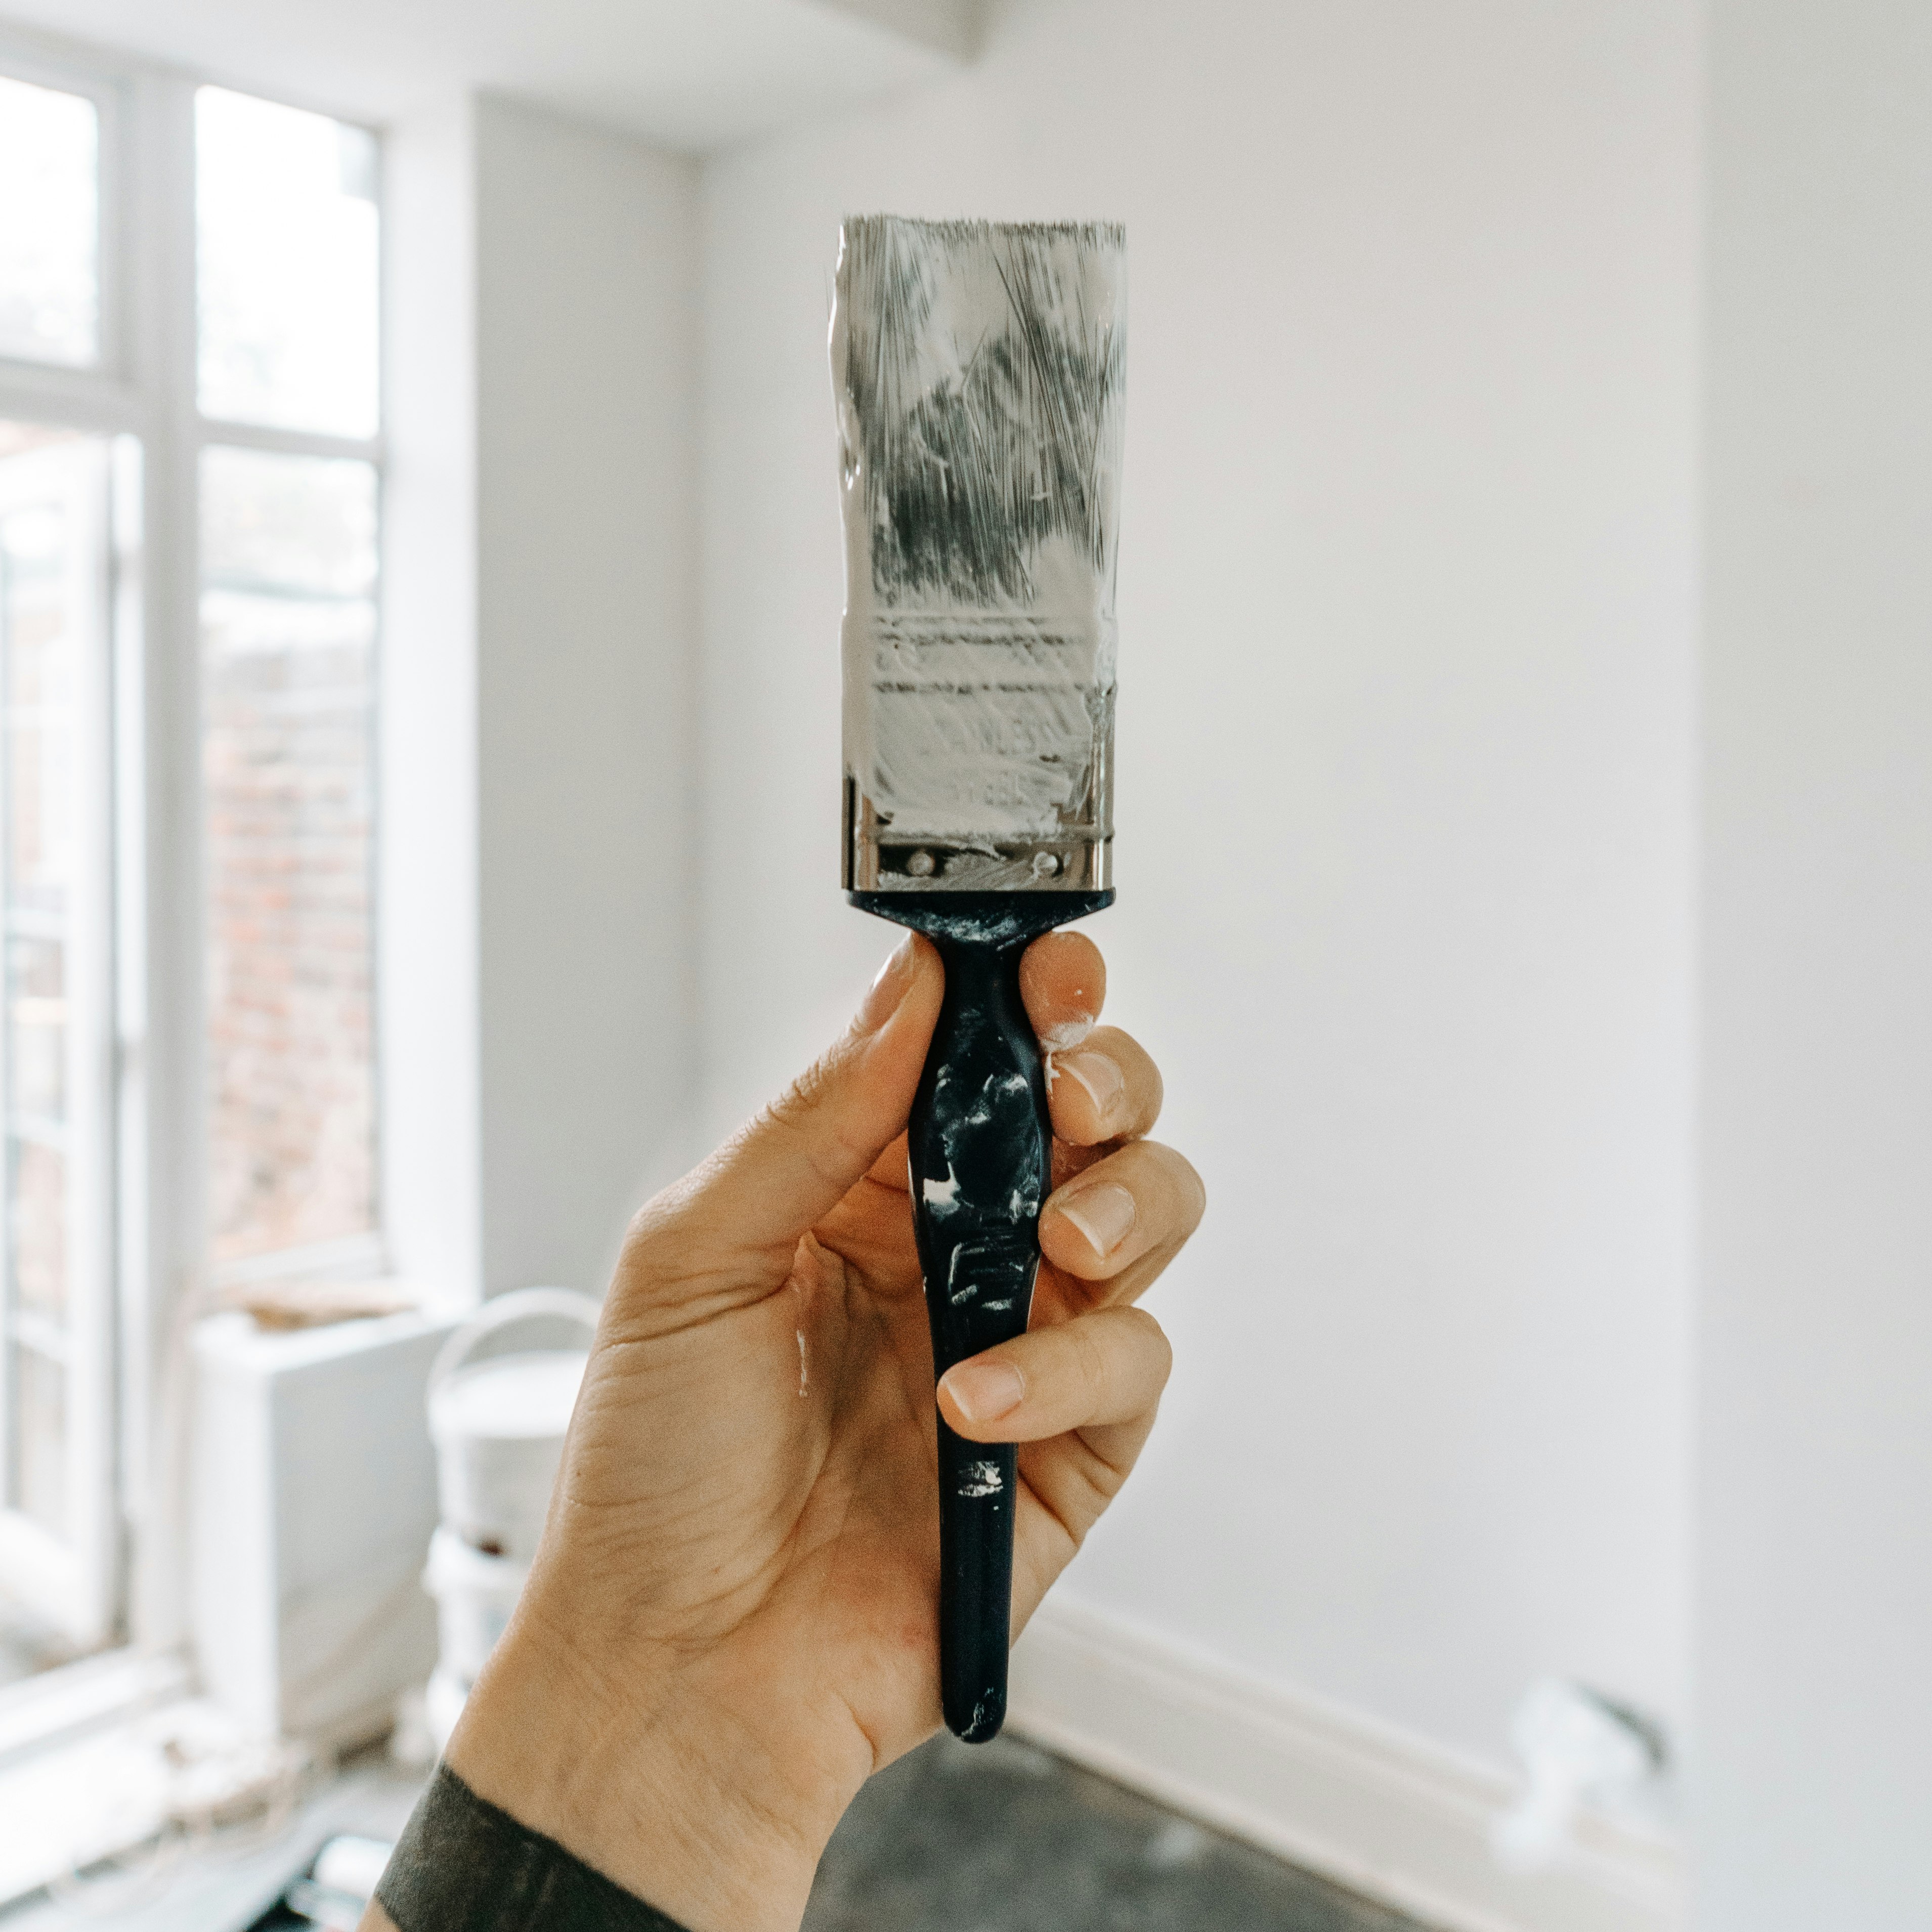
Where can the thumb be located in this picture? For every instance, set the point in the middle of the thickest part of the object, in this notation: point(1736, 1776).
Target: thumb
point(789, 1167)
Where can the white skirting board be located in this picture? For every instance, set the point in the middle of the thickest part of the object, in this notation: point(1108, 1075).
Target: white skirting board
point(1382, 1812)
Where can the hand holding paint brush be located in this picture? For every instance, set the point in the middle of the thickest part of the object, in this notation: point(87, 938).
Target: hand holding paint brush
point(733, 1621)
point(741, 1609)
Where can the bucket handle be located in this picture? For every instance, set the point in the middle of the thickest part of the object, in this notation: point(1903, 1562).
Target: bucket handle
point(504, 1311)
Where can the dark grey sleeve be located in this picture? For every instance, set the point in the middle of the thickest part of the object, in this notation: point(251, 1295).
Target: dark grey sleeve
point(462, 1865)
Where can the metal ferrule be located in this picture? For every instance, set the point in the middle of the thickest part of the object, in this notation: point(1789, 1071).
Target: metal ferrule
point(876, 862)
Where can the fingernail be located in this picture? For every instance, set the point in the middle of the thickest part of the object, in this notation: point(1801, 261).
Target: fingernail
point(887, 989)
point(1103, 1213)
point(1068, 1034)
point(1101, 1077)
point(985, 1391)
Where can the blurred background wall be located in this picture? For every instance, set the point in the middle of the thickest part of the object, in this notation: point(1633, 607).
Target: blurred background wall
point(586, 530)
point(1812, 1775)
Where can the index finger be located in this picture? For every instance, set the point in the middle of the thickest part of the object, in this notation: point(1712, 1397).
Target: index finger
point(1063, 984)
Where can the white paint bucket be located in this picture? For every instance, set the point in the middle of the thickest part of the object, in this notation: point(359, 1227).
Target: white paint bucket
point(498, 1424)
point(474, 1595)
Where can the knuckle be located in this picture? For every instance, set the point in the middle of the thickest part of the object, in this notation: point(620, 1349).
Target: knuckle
point(1184, 1184)
point(657, 1226)
point(1159, 1349)
point(806, 1114)
point(1143, 1076)
point(804, 1096)
point(1098, 1481)
point(1197, 1191)
point(1082, 1340)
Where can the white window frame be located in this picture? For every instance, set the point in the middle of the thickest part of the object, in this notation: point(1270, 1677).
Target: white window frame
point(73, 1579)
point(144, 387)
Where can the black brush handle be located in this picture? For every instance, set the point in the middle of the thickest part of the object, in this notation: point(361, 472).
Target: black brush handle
point(979, 1150)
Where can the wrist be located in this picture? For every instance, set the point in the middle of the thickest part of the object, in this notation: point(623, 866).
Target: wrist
point(660, 1788)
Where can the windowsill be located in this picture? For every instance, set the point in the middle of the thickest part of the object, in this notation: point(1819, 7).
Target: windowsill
point(225, 1885)
point(32, 1645)
point(68, 1743)
point(42, 1713)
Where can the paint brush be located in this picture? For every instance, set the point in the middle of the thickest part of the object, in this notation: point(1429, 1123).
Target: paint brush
point(978, 371)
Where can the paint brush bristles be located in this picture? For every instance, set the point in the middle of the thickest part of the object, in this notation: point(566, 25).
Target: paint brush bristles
point(979, 372)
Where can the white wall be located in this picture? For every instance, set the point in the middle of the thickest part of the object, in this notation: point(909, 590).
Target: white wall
point(1814, 1585)
point(586, 326)
point(426, 924)
point(1405, 769)
point(537, 1004)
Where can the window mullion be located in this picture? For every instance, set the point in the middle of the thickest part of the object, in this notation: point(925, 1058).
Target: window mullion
point(158, 815)
point(79, 398)
point(289, 442)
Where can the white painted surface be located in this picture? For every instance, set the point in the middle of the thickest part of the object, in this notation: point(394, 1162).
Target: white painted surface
point(938, 738)
point(690, 77)
point(587, 542)
point(1814, 1585)
point(1405, 760)
point(539, 616)
point(1380, 1810)
point(947, 26)
point(426, 928)
point(312, 1496)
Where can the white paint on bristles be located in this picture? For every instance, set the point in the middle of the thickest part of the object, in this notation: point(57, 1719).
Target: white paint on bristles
point(978, 369)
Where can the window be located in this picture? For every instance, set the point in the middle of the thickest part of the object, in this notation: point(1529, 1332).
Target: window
point(288, 624)
point(285, 206)
point(287, 339)
point(56, 1211)
point(58, 564)
point(50, 243)
point(190, 520)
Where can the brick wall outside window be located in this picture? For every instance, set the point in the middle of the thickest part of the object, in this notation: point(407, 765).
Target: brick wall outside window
point(287, 781)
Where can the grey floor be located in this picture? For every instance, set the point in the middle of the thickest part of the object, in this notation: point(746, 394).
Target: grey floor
point(1002, 1837)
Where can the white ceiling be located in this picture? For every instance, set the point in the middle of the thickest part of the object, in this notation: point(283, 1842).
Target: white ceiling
point(691, 74)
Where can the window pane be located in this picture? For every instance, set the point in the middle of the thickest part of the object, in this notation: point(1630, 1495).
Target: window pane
point(40, 1439)
point(288, 629)
point(47, 478)
point(36, 1044)
point(36, 1207)
point(49, 225)
point(286, 207)
point(54, 572)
